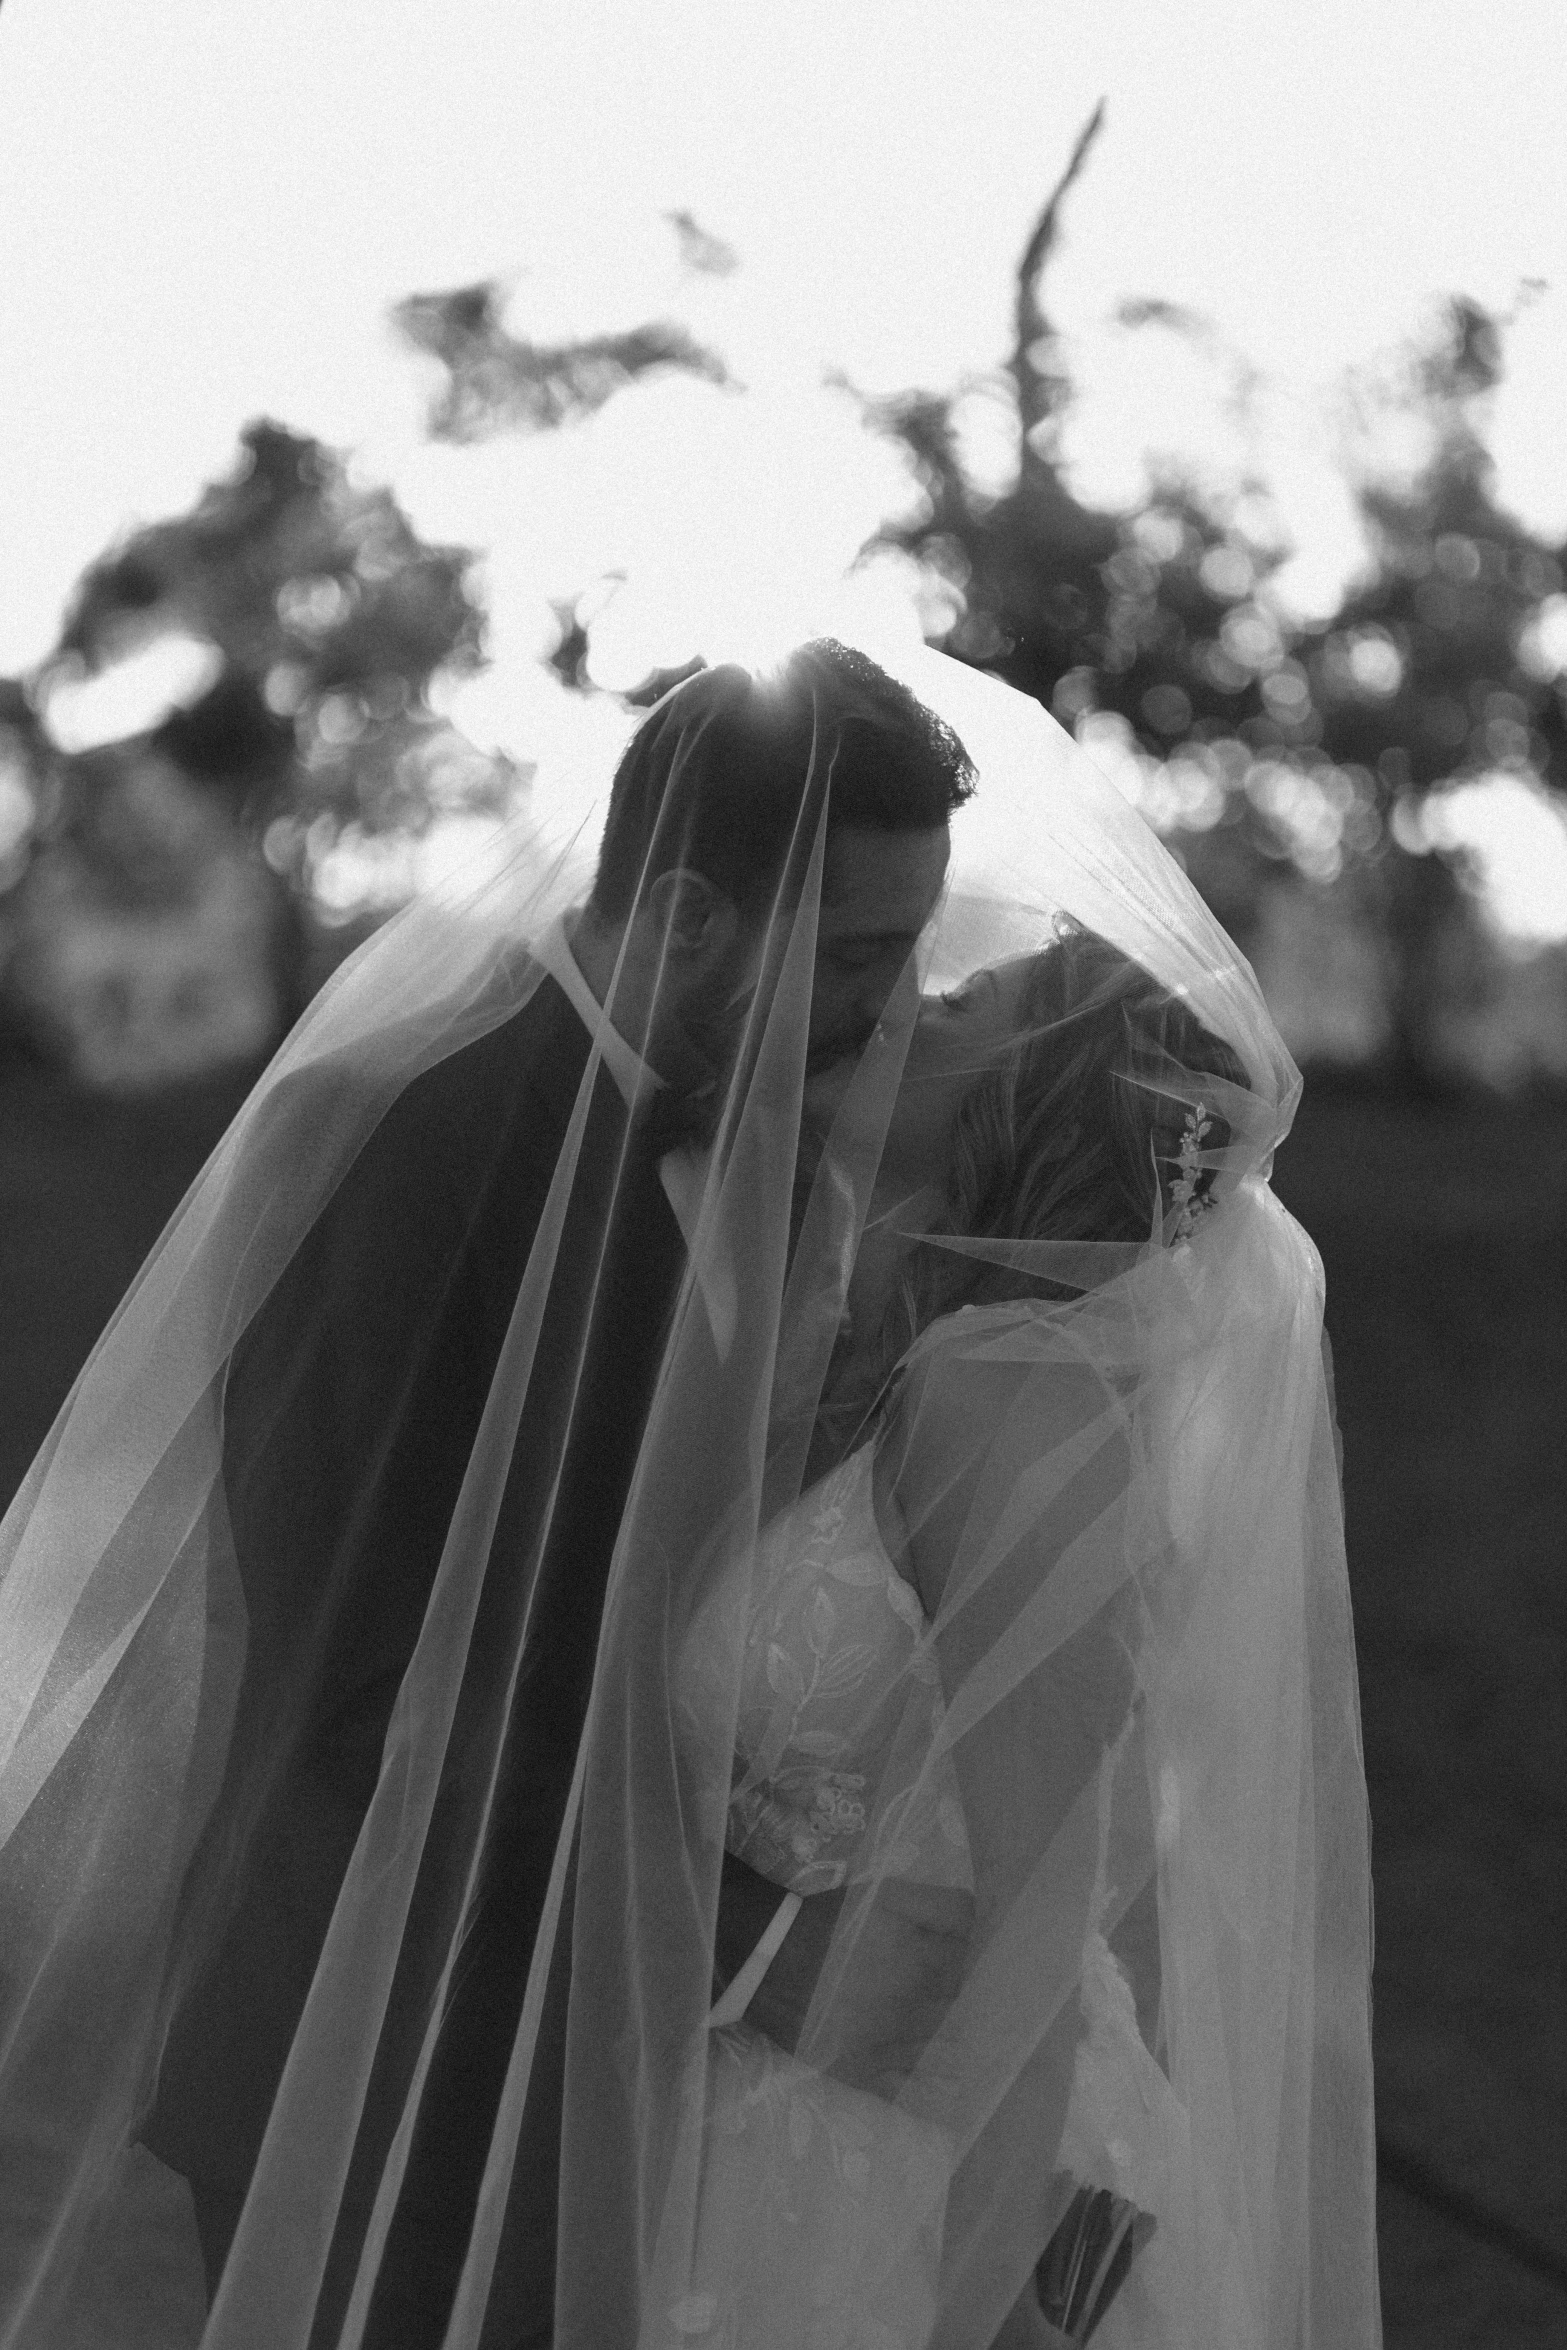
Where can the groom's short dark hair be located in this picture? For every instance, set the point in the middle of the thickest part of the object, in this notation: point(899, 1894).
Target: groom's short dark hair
point(713, 776)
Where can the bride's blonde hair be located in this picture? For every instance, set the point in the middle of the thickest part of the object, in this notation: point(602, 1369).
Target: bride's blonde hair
point(1065, 1137)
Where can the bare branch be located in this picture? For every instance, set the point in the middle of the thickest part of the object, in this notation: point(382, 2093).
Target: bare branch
point(1036, 387)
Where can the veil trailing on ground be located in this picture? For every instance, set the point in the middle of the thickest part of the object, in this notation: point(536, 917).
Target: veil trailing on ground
point(383, 1863)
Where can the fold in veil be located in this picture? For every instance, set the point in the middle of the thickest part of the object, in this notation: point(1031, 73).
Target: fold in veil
point(1132, 1705)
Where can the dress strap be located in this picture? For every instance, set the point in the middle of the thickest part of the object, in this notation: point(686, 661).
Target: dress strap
point(732, 2005)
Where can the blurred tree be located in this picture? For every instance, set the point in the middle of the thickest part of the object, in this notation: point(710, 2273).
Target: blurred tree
point(700, 251)
point(568, 657)
point(24, 779)
point(330, 616)
point(319, 618)
point(1142, 630)
point(330, 619)
point(497, 382)
point(1263, 748)
point(1440, 664)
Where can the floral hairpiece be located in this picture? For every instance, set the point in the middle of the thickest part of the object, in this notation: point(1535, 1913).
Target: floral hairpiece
point(1189, 1204)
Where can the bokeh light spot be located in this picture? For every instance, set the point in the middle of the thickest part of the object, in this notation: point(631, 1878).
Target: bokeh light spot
point(1458, 556)
point(1227, 572)
point(134, 695)
point(1167, 709)
point(1250, 636)
point(1512, 835)
point(1375, 662)
point(1542, 642)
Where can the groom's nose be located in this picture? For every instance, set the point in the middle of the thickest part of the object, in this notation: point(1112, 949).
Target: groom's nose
point(855, 986)
point(888, 987)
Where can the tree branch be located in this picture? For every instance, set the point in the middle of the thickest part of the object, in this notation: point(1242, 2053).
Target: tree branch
point(1037, 389)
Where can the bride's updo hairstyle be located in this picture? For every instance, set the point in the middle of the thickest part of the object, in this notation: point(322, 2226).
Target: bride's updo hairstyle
point(1069, 1136)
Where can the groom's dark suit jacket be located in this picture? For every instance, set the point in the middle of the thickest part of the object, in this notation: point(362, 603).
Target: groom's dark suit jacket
point(350, 1411)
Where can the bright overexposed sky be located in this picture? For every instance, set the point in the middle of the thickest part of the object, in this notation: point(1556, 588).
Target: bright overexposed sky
point(206, 209)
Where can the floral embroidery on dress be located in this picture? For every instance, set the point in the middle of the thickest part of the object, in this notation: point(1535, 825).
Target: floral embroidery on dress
point(837, 1663)
point(821, 2206)
point(821, 2211)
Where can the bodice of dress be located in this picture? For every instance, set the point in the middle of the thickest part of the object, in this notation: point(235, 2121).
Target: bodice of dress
point(837, 1676)
point(826, 2200)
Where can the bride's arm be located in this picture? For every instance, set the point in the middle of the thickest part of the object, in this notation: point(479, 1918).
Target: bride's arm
point(1001, 1488)
point(1004, 1486)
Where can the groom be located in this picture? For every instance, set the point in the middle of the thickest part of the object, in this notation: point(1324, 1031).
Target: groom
point(354, 1401)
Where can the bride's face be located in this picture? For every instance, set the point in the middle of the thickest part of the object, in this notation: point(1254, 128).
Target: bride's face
point(957, 1038)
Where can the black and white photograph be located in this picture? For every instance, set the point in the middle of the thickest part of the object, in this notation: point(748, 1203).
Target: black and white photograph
point(783, 1175)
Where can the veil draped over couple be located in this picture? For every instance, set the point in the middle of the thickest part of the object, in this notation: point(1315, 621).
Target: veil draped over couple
point(682, 1675)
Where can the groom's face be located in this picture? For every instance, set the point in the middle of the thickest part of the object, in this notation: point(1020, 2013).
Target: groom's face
point(879, 889)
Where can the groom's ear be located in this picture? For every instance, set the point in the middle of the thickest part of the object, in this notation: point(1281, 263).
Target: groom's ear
point(697, 920)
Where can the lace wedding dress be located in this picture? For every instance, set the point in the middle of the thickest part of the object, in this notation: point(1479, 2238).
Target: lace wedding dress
point(814, 2192)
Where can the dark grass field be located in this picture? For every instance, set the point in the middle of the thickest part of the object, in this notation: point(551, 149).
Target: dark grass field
point(1444, 1231)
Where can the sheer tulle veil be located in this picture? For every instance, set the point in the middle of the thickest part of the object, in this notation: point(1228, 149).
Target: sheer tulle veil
point(1137, 1694)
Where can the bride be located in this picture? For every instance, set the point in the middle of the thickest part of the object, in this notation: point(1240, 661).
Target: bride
point(947, 1699)
point(958, 1934)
